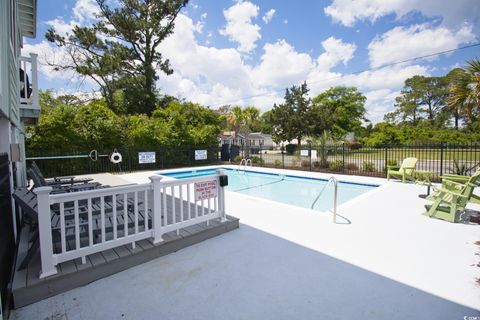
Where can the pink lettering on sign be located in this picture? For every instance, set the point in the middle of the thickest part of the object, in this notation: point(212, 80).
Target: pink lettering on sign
point(205, 190)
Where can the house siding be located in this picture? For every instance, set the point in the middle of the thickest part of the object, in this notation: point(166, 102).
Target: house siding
point(11, 132)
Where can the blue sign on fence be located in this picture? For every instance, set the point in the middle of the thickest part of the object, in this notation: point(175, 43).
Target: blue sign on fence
point(146, 157)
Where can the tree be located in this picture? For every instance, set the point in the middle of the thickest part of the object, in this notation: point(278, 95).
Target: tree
point(252, 118)
point(291, 119)
point(266, 123)
point(54, 129)
point(464, 93)
point(189, 124)
point(98, 126)
point(236, 119)
point(338, 110)
point(454, 105)
point(120, 50)
point(420, 95)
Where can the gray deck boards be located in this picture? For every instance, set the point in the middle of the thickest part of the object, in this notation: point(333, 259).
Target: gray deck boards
point(27, 288)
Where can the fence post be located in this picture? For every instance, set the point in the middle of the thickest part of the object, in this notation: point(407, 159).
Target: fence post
point(221, 197)
point(283, 157)
point(310, 154)
point(343, 156)
point(386, 159)
point(441, 158)
point(157, 208)
point(260, 151)
point(45, 232)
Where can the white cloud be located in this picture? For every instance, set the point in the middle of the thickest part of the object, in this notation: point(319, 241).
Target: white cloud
point(203, 74)
point(335, 51)
point(61, 27)
point(405, 42)
point(85, 10)
point(453, 13)
point(268, 16)
point(48, 54)
point(281, 65)
point(239, 27)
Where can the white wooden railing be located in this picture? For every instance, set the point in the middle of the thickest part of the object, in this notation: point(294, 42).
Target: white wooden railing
point(29, 81)
point(77, 224)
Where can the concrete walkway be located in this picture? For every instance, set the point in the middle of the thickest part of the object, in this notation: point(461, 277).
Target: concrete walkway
point(284, 262)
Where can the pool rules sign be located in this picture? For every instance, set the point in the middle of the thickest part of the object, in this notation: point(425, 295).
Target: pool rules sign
point(205, 190)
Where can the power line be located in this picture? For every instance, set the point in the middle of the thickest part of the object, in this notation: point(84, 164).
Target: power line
point(358, 72)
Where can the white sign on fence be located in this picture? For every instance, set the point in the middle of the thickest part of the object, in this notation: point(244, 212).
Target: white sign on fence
point(146, 157)
point(200, 154)
point(205, 190)
point(304, 153)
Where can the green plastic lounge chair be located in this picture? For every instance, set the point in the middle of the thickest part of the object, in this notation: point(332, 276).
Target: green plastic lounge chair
point(455, 182)
point(448, 205)
point(405, 172)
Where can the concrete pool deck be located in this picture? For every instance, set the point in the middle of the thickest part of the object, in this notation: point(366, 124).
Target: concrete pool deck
point(287, 262)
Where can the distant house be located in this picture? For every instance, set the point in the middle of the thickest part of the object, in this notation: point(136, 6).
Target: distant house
point(254, 139)
point(19, 105)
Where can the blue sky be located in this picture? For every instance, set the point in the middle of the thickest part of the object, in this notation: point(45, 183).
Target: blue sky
point(248, 52)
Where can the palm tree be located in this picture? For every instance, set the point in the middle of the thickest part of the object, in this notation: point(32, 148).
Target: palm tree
point(252, 117)
point(464, 92)
point(236, 119)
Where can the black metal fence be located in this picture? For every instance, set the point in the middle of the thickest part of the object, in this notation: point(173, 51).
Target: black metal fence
point(77, 162)
point(437, 159)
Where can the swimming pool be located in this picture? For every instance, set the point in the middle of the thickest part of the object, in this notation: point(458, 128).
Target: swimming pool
point(289, 189)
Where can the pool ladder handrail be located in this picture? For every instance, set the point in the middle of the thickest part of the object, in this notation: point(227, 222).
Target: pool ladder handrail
point(335, 190)
point(245, 163)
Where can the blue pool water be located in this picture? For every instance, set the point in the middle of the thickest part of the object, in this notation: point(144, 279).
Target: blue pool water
point(293, 190)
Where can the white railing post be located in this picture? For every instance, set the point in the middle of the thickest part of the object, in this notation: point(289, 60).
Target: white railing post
point(221, 197)
point(34, 70)
point(45, 231)
point(157, 208)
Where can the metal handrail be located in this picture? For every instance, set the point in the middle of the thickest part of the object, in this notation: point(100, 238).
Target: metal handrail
point(335, 190)
point(243, 161)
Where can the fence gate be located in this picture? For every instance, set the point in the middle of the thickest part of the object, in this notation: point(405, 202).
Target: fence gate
point(7, 241)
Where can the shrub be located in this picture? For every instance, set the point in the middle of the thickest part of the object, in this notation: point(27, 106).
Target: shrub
point(336, 165)
point(257, 160)
point(351, 166)
point(355, 145)
point(318, 164)
point(305, 163)
point(237, 158)
point(368, 166)
point(290, 148)
point(295, 162)
point(277, 163)
point(392, 162)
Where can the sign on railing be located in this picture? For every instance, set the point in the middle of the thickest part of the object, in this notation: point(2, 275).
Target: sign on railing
point(205, 190)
